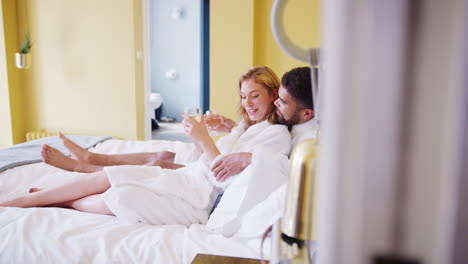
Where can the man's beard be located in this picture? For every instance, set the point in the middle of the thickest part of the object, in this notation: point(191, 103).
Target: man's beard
point(291, 122)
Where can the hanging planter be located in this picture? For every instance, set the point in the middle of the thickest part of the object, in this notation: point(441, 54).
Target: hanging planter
point(23, 58)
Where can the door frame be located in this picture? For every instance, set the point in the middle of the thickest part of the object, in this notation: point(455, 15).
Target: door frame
point(146, 66)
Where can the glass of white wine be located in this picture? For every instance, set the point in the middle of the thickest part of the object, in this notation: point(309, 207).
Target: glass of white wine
point(193, 111)
point(212, 120)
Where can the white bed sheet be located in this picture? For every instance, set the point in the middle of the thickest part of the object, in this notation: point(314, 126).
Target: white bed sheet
point(56, 235)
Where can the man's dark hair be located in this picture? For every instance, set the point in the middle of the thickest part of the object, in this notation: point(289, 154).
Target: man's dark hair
point(297, 83)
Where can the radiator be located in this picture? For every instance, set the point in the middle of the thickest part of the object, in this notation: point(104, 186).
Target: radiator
point(32, 135)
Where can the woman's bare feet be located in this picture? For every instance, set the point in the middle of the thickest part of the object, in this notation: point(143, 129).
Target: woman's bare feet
point(77, 152)
point(54, 157)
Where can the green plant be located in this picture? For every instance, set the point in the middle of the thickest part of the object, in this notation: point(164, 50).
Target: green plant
point(26, 44)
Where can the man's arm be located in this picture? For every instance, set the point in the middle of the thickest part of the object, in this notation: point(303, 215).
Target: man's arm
point(231, 164)
point(225, 125)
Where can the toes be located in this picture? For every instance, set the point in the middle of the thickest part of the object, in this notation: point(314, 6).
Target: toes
point(46, 148)
point(45, 157)
point(44, 151)
point(47, 153)
point(64, 139)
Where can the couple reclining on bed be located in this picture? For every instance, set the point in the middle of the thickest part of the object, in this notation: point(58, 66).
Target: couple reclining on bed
point(171, 193)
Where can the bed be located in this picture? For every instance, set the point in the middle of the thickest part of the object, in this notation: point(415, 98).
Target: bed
point(57, 235)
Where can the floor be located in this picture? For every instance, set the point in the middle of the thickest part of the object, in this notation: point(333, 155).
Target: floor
point(170, 131)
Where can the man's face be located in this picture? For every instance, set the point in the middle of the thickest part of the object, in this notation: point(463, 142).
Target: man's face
point(287, 109)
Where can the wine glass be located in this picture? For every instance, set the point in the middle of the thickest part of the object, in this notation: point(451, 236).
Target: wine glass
point(193, 111)
point(212, 120)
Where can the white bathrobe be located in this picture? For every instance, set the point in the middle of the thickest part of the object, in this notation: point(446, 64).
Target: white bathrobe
point(184, 196)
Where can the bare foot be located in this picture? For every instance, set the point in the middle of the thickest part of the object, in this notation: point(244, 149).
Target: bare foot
point(77, 152)
point(54, 157)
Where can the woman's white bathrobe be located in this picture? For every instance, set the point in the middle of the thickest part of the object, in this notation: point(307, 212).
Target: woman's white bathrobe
point(184, 196)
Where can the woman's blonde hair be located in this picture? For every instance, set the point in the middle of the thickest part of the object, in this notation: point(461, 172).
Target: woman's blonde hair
point(267, 78)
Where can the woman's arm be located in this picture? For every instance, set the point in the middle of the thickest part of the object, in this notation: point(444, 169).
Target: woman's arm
point(198, 133)
point(198, 151)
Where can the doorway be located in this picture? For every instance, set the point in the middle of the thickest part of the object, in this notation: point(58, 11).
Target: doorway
point(178, 58)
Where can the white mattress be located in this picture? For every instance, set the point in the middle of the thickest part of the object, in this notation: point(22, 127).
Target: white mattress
point(56, 235)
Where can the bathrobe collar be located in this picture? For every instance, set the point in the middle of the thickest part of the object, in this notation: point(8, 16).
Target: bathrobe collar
point(304, 131)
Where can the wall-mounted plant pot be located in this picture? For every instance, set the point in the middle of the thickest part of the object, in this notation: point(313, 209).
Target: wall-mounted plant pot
point(23, 60)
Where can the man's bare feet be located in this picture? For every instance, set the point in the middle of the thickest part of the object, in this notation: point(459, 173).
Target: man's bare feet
point(54, 157)
point(77, 152)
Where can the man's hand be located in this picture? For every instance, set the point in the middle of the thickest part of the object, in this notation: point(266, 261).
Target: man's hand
point(231, 164)
point(225, 125)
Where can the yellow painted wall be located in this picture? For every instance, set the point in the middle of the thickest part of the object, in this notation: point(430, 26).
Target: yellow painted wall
point(139, 70)
point(240, 38)
point(231, 51)
point(12, 109)
point(302, 25)
point(84, 70)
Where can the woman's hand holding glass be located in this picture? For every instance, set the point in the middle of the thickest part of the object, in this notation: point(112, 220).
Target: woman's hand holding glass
point(193, 111)
point(196, 131)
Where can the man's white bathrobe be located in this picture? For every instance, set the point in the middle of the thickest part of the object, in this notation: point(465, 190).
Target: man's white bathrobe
point(184, 196)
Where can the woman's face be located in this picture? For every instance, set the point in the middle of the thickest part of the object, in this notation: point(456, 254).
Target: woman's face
point(255, 100)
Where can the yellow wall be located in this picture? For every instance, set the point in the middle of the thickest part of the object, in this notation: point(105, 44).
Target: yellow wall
point(241, 38)
point(231, 51)
point(12, 111)
point(84, 77)
point(139, 71)
point(302, 19)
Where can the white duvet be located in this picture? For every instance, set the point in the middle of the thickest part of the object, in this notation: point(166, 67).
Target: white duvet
point(56, 235)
